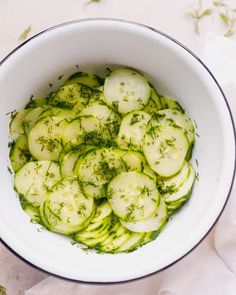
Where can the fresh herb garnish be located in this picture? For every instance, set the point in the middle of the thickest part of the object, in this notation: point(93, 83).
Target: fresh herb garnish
point(130, 211)
point(82, 210)
point(12, 114)
point(197, 14)
point(115, 105)
point(227, 16)
point(9, 170)
point(135, 118)
point(24, 35)
point(60, 77)
point(94, 1)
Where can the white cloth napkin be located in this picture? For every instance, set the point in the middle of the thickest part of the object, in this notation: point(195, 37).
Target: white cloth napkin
point(211, 268)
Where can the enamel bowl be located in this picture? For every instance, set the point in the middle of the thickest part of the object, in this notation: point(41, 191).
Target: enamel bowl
point(93, 45)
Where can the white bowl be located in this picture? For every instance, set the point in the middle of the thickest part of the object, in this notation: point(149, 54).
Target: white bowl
point(95, 44)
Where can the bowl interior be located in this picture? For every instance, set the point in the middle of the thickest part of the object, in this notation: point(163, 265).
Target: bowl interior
point(94, 45)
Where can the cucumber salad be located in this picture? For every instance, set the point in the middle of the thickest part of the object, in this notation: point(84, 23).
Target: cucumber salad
point(104, 161)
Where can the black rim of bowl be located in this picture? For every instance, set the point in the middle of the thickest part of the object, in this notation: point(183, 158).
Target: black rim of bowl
point(232, 122)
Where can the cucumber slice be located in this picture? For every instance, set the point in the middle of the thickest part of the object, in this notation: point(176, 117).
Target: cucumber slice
point(100, 111)
point(151, 107)
point(19, 153)
point(170, 184)
point(184, 190)
point(173, 206)
point(34, 180)
point(148, 171)
point(85, 79)
point(131, 243)
point(53, 223)
point(149, 237)
point(45, 138)
point(68, 203)
point(176, 118)
point(97, 241)
point(155, 222)
point(98, 224)
point(170, 103)
point(165, 148)
point(87, 130)
point(17, 123)
point(31, 118)
point(132, 130)
point(33, 213)
point(112, 223)
point(97, 232)
point(68, 163)
point(68, 160)
point(133, 196)
point(156, 98)
point(115, 240)
point(53, 111)
point(134, 161)
point(97, 168)
point(72, 96)
point(103, 211)
point(109, 119)
point(126, 90)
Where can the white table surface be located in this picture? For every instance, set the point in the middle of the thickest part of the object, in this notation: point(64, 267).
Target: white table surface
point(168, 16)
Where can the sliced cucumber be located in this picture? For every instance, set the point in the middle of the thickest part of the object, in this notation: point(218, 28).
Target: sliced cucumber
point(126, 90)
point(17, 123)
point(19, 153)
point(53, 223)
point(110, 182)
point(115, 240)
point(99, 223)
point(170, 103)
point(171, 117)
point(68, 203)
point(86, 130)
point(131, 243)
point(97, 241)
point(156, 98)
point(148, 171)
point(109, 119)
point(45, 138)
point(184, 190)
point(72, 96)
point(172, 207)
point(68, 161)
point(31, 118)
point(151, 107)
point(33, 213)
point(149, 237)
point(165, 148)
point(134, 161)
point(103, 211)
point(34, 180)
point(152, 223)
point(96, 169)
point(132, 130)
point(85, 79)
point(170, 184)
point(62, 113)
point(97, 232)
point(133, 196)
